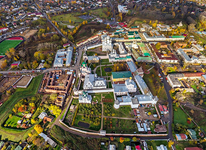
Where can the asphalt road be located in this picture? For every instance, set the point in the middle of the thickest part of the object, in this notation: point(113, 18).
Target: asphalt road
point(167, 89)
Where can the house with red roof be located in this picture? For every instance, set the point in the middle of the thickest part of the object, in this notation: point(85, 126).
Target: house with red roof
point(3, 29)
point(15, 64)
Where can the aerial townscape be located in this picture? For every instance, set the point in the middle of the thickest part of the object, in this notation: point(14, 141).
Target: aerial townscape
point(102, 75)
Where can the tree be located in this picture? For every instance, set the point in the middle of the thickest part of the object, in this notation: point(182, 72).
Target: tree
point(120, 16)
point(47, 28)
point(192, 111)
point(70, 37)
point(3, 64)
point(134, 139)
point(53, 96)
point(38, 128)
point(108, 26)
point(170, 143)
point(121, 139)
point(201, 101)
point(34, 64)
point(12, 51)
point(158, 45)
point(8, 54)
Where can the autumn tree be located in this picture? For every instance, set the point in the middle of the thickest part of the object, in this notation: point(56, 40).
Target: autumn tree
point(201, 101)
point(3, 64)
point(170, 143)
point(38, 128)
point(53, 96)
point(158, 45)
point(121, 139)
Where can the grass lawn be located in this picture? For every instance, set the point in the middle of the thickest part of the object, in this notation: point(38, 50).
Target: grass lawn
point(66, 17)
point(7, 44)
point(92, 126)
point(5, 109)
point(123, 111)
point(119, 125)
point(12, 122)
point(156, 143)
point(183, 144)
point(105, 62)
point(104, 73)
point(195, 88)
point(92, 66)
point(171, 70)
point(108, 95)
point(91, 53)
point(101, 12)
point(98, 72)
point(181, 118)
point(96, 96)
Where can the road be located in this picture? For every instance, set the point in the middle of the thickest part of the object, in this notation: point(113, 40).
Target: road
point(167, 89)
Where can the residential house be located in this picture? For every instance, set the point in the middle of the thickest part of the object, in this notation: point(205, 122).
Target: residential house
point(181, 137)
point(161, 147)
point(192, 134)
point(112, 147)
point(93, 59)
point(192, 148)
point(48, 140)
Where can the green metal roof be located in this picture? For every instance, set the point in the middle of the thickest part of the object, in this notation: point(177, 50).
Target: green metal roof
point(122, 74)
point(177, 36)
point(137, 38)
point(117, 33)
point(134, 27)
point(130, 38)
point(144, 58)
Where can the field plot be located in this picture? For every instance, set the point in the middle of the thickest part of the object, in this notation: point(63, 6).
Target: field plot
point(24, 82)
point(27, 33)
point(12, 121)
point(101, 12)
point(7, 82)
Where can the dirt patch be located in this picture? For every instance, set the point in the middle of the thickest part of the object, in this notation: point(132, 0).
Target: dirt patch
point(27, 33)
point(88, 30)
point(24, 81)
point(7, 82)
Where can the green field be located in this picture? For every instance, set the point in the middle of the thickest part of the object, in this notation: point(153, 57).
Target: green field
point(7, 44)
point(181, 118)
point(6, 109)
point(101, 12)
point(12, 122)
point(66, 17)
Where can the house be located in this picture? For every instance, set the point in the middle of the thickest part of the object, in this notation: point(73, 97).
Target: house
point(47, 118)
point(122, 9)
point(128, 147)
point(3, 29)
point(1, 144)
point(181, 136)
point(48, 140)
point(121, 76)
point(93, 59)
point(15, 64)
point(18, 148)
point(203, 77)
point(42, 115)
point(112, 147)
point(161, 147)
point(192, 134)
point(85, 98)
point(91, 81)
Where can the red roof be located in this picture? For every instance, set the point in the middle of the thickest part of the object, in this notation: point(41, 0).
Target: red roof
point(164, 107)
point(193, 148)
point(191, 74)
point(125, 25)
point(3, 28)
point(16, 64)
point(135, 112)
point(15, 38)
point(1, 57)
point(183, 136)
point(121, 23)
point(161, 108)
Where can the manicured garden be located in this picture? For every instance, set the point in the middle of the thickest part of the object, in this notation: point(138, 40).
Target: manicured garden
point(88, 116)
point(7, 44)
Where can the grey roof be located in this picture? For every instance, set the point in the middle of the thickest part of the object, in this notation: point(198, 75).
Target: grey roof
point(120, 88)
point(142, 85)
point(132, 66)
point(186, 57)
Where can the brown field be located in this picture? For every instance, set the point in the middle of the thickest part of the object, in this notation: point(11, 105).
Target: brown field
point(7, 82)
point(27, 33)
point(23, 81)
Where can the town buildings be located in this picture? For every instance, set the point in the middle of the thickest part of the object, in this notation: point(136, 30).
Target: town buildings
point(91, 81)
point(63, 57)
point(85, 98)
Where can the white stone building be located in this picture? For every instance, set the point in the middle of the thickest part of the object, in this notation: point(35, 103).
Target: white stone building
point(85, 98)
point(93, 82)
point(106, 43)
point(84, 70)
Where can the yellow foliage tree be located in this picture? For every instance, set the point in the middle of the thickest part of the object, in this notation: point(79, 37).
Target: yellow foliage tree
point(170, 143)
point(121, 139)
point(38, 128)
